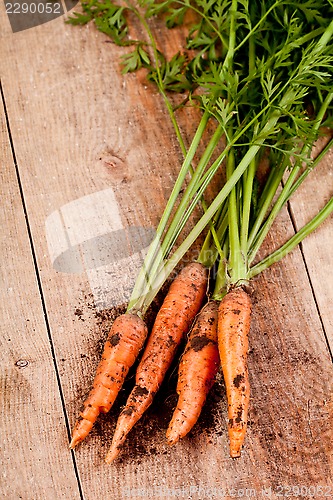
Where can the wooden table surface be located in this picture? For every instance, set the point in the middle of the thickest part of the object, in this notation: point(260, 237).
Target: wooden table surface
point(85, 152)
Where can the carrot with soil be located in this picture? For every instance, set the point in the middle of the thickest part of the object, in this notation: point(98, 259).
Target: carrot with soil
point(174, 319)
point(126, 338)
point(197, 371)
point(234, 317)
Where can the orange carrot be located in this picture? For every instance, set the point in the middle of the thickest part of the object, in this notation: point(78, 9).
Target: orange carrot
point(197, 370)
point(174, 319)
point(126, 338)
point(234, 319)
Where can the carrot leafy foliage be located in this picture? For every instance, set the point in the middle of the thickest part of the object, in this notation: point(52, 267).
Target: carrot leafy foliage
point(262, 72)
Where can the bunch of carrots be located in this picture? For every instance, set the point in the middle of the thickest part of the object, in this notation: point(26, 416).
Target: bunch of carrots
point(219, 331)
point(261, 73)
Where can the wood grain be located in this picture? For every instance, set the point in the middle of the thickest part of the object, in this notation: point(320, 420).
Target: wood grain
point(79, 128)
point(308, 200)
point(33, 429)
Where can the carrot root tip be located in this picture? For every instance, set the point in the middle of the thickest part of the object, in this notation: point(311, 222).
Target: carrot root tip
point(235, 453)
point(112, 455)
point(173, 441)
point(73, 443)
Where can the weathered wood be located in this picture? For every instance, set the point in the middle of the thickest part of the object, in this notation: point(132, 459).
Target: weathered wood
point(80, 129)
point(306, 203)
point(33, 431)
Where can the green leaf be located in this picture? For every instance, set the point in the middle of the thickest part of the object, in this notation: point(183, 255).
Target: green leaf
point(79, 19)
point(135, 60)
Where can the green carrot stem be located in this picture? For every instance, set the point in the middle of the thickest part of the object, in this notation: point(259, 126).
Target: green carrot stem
point(148, 294)
point(183, 211)
point(265, 201)
point(310, 168)
point(173, 260)
point(247, 199)
point(167, 245)
point(221, 281)
point(261, 235)
point(154, 255)
point(255, 28)
point(324, 39)
point(228, 61)
point(157, 281)
point(248, 177)
point(235, 265)
point(211, 247)
point(222, 228)
point(288, 188)
point(293, 241)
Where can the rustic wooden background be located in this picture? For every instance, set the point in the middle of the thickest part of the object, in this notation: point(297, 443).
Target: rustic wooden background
point(72, 128)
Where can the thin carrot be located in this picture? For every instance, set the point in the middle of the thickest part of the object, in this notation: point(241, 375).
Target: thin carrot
point(234, 317)
point(197, 370)
point(174, 319)
point(126, 338)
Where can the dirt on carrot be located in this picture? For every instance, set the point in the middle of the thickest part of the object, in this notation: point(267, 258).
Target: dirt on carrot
point(125, 340)
point(234, 317)
point(174, 319)
point(197, 370)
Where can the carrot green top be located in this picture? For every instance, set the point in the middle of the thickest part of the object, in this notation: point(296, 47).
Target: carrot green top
point(261, 72)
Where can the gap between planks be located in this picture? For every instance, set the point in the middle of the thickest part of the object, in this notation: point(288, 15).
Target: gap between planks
point(39, 284)
point(306, 267)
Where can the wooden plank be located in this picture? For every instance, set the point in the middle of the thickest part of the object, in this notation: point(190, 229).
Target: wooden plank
point(80, 128)
point(311, 197)
point(33, 432)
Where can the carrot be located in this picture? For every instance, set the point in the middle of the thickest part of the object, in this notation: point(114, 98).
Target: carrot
point(174, 319)
point(126, 338)
point(197, 370)
point(234, 318)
